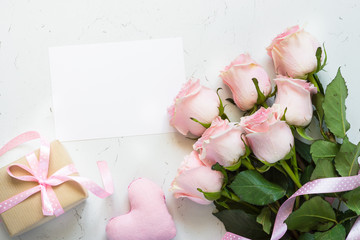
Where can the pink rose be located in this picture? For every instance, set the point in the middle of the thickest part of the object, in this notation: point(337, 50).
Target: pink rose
point(193, 101)
point(193, 174)
point(293, 53)
point(238, 76)
point(295, 95)
point(269, 138)
point(221, 143)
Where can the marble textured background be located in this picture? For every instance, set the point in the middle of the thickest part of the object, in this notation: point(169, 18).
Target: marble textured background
point(213, 32)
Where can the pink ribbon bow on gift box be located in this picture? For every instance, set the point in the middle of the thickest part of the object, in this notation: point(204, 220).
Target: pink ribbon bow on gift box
point(39, 173)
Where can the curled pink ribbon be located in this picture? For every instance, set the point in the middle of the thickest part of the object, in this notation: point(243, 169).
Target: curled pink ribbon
point(38, 171)
point(324, 185)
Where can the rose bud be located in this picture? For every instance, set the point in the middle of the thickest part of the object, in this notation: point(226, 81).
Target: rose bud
point(238, 76)
point(268, 136)
point(221, 142)
point(294, 53)
point(295, 96)
point(193, 101)
point(193, 174)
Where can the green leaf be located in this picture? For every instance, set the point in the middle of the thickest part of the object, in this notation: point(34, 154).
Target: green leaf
point(274, 176)
point(318, 58)
point(221, 106)
point(234, 167)
point(263, 168)
point(346, 216)
point(346, 161)
point(283, 118)
point(218, 167)
point(318, 100)
point(317, 80)
point(325, 59)
point(324, 169)
point(349, 224)
point(211, 196)
point(322, 149)
point(306, 175)
point(303, 150)
point(242, 223)
point(336, 233)
point(261, 97)
point(273, 93)
point(353, 200)
point(205, 125)
point(312, 215)
point(302, 133)
point(307, 236)
point(224, 204)
point(264, 218)
point(334, 106)
point(253, 188)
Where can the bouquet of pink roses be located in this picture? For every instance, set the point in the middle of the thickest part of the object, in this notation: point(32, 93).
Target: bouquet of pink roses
point(266, 176)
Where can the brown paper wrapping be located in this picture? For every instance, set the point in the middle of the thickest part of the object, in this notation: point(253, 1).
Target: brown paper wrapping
point(28, 214)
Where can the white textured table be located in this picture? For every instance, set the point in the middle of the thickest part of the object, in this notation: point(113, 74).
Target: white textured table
point(214, 32)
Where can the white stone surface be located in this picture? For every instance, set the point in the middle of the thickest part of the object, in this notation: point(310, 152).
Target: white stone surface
point(214, 33)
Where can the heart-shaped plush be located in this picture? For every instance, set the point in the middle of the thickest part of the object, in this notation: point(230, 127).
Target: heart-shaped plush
point(148, 218)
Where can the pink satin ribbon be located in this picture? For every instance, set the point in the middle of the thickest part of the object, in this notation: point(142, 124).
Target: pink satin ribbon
point(38, 171)
point(324, 185)
point(232, 236)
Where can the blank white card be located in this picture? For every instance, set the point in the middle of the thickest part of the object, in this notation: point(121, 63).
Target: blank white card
point(115, 89)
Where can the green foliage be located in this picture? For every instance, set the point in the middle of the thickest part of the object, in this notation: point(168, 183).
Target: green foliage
point(314, 214)
point(306, 175)
point(324, 169)
point(334, 106)
point(322, 149)
point(336, 233)
point(211, 196)
point(307, 236)
point(261, 97)
point(264, 218)
point(346, 160)
point(302, 133)
point(353, 200)
point(318, 100)
point(234, 167)
point(253, 188)
point(221, 106)
point(218, 167)
point(205, 125)
point(346, 216)
point(242, 223)
point(303, 150)
point(318, 58)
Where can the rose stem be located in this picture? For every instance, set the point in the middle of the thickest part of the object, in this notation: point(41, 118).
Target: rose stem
point(292, 175)
point(294, 163)
point(313, 81)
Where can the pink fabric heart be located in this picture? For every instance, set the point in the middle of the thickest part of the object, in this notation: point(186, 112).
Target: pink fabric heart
point(148, 218)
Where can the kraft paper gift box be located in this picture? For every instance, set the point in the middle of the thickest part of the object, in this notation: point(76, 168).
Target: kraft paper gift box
point(28, 214)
